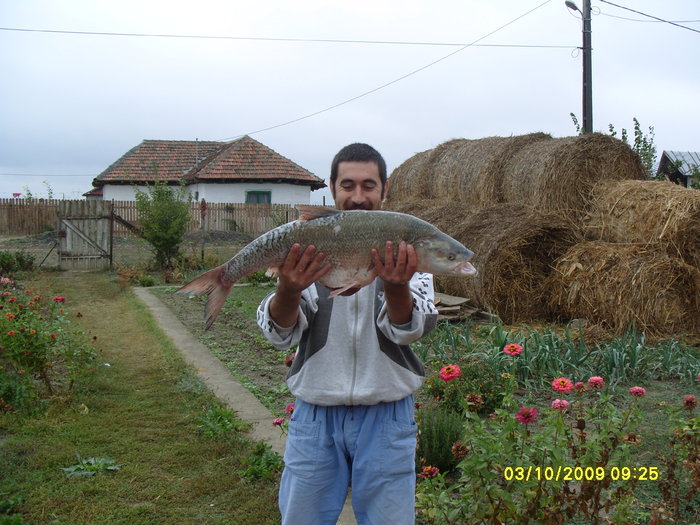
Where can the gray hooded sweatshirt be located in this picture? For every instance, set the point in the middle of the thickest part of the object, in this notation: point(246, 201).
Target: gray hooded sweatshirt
point(349, 351)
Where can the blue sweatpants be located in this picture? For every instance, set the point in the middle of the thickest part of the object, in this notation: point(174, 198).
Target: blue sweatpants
point(329, 447)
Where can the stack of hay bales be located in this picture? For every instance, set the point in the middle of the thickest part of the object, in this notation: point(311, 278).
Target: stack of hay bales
point(640, 264)
point(561, 228)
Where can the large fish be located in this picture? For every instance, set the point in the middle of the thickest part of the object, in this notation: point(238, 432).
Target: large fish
point(346, 238)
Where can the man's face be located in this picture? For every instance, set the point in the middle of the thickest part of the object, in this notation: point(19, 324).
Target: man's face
point(358, 186)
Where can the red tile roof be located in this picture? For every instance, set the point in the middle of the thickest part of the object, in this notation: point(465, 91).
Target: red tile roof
point(243, 160)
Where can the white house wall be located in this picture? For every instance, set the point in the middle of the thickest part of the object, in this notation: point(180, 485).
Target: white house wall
point(280, 193)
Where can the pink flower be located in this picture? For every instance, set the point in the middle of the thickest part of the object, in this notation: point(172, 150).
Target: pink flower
point(512, 349)
point(596, 382)
point(59, 299)
point(289, 408)
point(579, 387)
point(526, 415)
point(278, 422)
point(562, 384)
point(560, 404)
point(289, 359)
point(450, 372)
point(637, 391)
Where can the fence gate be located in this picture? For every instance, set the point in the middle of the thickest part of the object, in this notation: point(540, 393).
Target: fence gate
point(84, 234)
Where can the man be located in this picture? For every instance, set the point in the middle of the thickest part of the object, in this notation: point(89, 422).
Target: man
point(354, 375)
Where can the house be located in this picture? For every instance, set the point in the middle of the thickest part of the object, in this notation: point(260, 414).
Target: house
point(244, 170)
point(679, 166)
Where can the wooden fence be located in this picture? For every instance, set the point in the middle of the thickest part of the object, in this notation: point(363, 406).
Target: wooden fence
point(33, 216)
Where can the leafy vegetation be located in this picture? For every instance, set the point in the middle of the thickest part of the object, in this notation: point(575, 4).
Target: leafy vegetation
point(164, 214)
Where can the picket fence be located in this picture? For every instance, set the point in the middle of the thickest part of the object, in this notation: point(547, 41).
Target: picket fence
point(20, 217)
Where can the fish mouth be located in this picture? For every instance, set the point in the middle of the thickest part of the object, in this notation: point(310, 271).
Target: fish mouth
point(466, 268)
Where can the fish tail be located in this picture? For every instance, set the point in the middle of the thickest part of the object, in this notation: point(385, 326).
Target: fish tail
point(210, 283)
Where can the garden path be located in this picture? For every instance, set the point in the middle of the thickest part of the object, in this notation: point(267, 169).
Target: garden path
point(224, 386)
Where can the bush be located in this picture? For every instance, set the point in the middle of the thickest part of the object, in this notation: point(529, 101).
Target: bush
point(164, 214)
point(438, 431)
point(13, 262)
point(39, 352)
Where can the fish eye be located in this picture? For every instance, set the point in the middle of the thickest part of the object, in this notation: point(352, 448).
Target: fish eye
point(451, 257)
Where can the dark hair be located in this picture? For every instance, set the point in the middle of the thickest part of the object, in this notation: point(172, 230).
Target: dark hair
point(358, 152)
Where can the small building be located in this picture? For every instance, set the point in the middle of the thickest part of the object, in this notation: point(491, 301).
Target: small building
point(241, 171)
point(679, 166)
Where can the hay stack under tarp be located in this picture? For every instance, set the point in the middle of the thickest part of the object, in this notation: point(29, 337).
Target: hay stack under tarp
point(620, 286)
point(514, 249)
point(551, 175)
point(647, 212)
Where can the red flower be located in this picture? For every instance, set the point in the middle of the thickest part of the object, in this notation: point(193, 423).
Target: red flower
point(429, 472)
point(289, 359)
point(11, 333)
point(59, 299)
point(53, 336)
point(450, 372)
point(637, 391)
point(278, 422)
point(10, 315)
point(562, 384)
point(526, 415)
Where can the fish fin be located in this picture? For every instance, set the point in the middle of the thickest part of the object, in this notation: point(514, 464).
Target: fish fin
point(210, 283)
point(335, 292)
point(272, 271)
point(309, 212)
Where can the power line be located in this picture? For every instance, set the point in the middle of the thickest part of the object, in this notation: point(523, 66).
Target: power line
point(374, 90)
point(651, 16)
point(648, 21)
point(273, 39)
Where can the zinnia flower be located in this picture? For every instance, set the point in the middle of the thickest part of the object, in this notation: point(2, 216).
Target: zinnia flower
point(289, 408)
point(637, 391)
point(632, 439)
point(474, 402)
point(690, 402)
point(11, 333)
point(429, 472)
point(10, 315)
point(289, 359)
point(596, 382)
point(450, 372)
point(59, 299)
point(526, 415)
point(579, 387)
point(562, 384)
point(560, 404)
point(277, 422)
point(460, 450)
point(512, 349)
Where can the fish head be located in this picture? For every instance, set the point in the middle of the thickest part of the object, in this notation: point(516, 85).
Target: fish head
point(440, 254)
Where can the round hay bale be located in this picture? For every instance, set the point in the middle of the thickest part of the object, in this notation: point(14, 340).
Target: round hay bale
point(558, 175)
point(514, 248)
point(649, 213)
point(467, 171)
point(623, 286)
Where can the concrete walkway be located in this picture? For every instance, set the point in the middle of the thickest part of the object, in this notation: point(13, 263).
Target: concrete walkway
point(224, 386)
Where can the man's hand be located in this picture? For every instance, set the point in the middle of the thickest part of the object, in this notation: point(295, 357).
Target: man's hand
point(299, 271)
point(396, 274)
point(399, 270)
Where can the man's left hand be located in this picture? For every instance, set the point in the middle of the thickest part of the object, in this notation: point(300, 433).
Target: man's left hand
point(398, 270)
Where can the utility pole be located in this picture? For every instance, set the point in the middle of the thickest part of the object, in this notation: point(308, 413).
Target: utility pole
point(587, 69)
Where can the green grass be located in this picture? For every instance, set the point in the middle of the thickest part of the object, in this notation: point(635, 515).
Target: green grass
point(143, 408)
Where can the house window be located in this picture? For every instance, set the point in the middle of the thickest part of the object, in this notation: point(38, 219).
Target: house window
point(258, 197)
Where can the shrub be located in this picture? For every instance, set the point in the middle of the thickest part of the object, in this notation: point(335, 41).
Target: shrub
point(438, 431)
point(13, 262)
point(163, 215)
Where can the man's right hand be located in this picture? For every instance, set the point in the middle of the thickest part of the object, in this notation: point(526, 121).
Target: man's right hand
point(299, 271)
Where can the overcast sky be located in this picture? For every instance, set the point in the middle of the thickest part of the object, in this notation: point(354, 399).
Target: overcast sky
point(72, 104)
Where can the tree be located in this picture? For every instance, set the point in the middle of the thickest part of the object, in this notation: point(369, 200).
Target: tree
point(164, 212)
point(643, 143)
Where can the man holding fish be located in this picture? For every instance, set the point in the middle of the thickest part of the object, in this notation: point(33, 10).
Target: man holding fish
point(354, 374)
